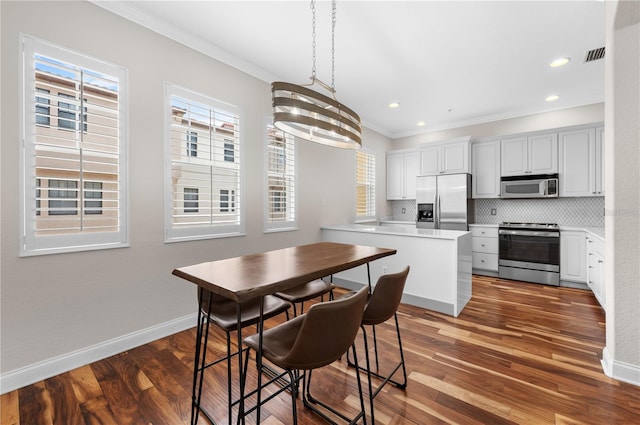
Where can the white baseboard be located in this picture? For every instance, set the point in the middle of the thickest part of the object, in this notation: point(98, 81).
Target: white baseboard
point(621, 371)
point(39, 371)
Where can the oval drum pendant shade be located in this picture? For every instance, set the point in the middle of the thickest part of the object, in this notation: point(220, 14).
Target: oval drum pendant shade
point(312, 116)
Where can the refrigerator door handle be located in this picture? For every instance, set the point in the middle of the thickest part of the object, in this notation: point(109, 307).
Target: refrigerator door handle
point(438, 210)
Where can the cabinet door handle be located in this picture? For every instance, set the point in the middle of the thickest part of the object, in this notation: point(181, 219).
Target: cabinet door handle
point(600, 261)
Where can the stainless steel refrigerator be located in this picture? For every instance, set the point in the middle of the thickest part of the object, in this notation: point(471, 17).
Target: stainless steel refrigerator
point(444, 202)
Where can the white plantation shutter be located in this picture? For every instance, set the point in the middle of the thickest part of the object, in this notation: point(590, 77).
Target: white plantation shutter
point(74, 152)
point(365, 185)
point(203, 167)
point(280, 179)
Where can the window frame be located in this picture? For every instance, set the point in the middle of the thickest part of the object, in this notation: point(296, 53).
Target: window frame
point(371, 216)
point(236, 202)
point(30, 243)
point(291, 223)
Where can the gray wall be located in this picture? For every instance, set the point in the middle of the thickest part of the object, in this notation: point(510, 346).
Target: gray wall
point(622, 112)
point(54, 305)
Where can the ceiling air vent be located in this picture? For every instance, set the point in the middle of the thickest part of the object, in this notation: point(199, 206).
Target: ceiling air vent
point(594, 55)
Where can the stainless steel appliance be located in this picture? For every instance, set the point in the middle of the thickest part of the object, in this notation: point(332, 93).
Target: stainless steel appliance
point(529, 252)
point(444, 202)
point(532, 186)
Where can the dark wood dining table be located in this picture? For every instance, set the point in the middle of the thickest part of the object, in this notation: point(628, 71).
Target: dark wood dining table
point(257, 275)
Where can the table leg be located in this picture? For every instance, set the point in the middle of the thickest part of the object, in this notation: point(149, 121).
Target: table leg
point(202, 330)
point(240, 367)
point(259, 358)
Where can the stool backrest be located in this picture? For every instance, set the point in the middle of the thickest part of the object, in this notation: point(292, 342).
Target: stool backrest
point(327, 331)
point(386, 297)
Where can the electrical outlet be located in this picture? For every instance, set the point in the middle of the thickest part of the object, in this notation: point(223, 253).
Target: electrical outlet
point(384, 269)
point(493, 211)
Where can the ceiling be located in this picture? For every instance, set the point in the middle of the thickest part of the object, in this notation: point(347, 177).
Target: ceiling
point(448, 63)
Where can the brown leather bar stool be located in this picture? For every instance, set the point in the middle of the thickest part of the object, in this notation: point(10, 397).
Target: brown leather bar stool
point(311, 341)
point(305, 292)
point(222, 312)
point(381, 306)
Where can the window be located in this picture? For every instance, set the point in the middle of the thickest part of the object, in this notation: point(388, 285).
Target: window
point(63, 197)
point(66, 114)
point(227, 200)
point(92, 197)
point(192, 143)
point(73, 163)
point(229, 151)
point(38, 195)
point(365, 185)
point(204, 181)
point(43, 110)
point(280, 190)
point(190, 200)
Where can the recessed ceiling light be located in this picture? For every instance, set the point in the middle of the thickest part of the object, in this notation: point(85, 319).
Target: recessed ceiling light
point(552, 98)
point(559, 62)
point(394, 105)
point(421, 124)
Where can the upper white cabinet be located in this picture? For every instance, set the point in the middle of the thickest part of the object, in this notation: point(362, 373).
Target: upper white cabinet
point(581, 162)
point(445, 158)
point(534, 154)
point(402, 169)
point(486, 169)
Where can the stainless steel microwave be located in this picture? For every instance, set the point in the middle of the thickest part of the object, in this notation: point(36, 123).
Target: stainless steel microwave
point(531, 186)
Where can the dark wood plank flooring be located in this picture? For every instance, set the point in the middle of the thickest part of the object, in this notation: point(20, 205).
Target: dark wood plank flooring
point(518, 354)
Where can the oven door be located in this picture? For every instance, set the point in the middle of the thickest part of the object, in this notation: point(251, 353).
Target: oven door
point(530, 249)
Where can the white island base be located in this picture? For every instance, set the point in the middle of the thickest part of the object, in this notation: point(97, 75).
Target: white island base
point(440, 260)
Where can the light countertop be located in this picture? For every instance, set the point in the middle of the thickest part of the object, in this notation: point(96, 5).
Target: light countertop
point(398, 231)
point(595, 231)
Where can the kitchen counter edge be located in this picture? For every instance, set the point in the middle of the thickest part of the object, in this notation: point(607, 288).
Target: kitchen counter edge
point(398, 231)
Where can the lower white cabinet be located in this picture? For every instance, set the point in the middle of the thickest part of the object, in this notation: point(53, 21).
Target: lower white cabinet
point(596, 268)
point(573, 256)
point(484, 248)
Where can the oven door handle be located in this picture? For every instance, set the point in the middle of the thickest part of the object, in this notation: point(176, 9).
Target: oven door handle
point(529, 233)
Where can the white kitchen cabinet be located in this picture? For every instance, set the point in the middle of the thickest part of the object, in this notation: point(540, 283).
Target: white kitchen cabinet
point(484, 249)
point(581, 158)
point(485, 169)
point(533, 154)
point(402, 171)
point(596, 268)
point(445, 158)
point(573, 257)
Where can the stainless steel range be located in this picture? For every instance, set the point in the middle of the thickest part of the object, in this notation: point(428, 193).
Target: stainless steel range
point(530, 252)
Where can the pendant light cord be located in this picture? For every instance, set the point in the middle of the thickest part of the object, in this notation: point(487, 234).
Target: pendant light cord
point(333, 49)
point(313, 44)
point(313, 39)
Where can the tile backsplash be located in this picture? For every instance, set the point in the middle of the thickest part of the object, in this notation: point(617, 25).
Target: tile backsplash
point(587, 212)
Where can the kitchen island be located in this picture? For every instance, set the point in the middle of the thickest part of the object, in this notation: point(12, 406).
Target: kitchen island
point(440, 260)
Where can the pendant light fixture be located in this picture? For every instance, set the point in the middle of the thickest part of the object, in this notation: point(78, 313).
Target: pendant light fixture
point(303, 112)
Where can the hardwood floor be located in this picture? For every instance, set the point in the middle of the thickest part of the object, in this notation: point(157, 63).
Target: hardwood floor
point(518, 354)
